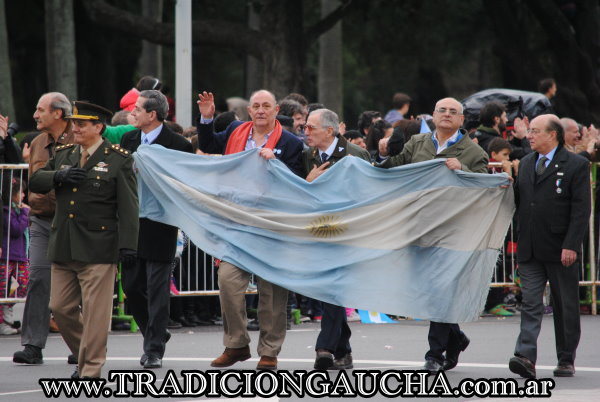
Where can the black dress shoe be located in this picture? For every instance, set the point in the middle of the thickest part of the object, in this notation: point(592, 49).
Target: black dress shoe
point(184, 321)
point(564, 370)
point(172, 324)
point(432, 366)
point(522, 366)
point(72, 359)
point(452, 354)
point(30, 355)
point(143, 359)
point(324, 360)
point(153, 362)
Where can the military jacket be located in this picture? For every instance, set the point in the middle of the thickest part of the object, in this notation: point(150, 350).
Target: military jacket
point(99, 215)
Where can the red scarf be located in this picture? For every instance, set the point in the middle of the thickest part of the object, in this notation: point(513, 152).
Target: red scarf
point(238, 139)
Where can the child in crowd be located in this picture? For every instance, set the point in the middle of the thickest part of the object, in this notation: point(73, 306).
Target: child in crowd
point(14, 264)
point(499, 151)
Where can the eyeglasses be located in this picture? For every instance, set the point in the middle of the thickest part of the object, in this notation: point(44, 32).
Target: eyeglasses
point(308, 127)
point(443, 110)
point(534, 131)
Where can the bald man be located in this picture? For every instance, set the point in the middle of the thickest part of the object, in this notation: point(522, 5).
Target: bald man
point(553, 204)
point(451, 142)
point(264, 132)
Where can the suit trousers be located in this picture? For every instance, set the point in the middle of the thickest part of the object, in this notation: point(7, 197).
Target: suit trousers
point(85, 328)
point(443, 337)
point(146, 285)
point(36, 316)
point(272, 318)
point(335, 332)
point(564, 288)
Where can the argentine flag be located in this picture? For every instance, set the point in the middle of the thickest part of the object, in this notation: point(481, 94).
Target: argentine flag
point(418, 240)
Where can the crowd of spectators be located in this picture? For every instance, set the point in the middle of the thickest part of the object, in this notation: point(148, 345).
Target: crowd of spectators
point(193, 272)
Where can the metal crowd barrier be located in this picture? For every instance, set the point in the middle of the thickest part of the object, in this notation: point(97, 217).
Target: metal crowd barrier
point(11, 177)
point(195, 272)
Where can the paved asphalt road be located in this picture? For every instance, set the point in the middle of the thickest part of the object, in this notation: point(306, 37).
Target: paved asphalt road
point(382, 347)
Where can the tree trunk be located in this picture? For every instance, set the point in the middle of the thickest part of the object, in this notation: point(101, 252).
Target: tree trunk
point(575, 49)
point(254, 67)
point(150, 62)
point(7, 107)
point(283, 64)
point(330, 62)
point(61, 63)
point(281, 42)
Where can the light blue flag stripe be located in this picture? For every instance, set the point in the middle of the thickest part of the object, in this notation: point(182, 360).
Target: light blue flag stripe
point(427, 255)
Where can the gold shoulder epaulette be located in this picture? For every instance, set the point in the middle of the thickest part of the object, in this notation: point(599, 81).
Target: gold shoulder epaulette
point(65, 146)
point(120, 150)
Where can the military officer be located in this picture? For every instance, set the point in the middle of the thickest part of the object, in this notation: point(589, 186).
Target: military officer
point(95, 225)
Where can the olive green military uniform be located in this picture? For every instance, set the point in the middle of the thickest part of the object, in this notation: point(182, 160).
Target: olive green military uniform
point(94, 219)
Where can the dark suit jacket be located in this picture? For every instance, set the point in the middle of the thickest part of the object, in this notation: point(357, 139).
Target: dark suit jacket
point(288, 149)
point(554, 208)
point(311, 156)
point(157, 241)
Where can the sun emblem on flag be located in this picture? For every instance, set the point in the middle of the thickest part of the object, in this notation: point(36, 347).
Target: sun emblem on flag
point(327, 226)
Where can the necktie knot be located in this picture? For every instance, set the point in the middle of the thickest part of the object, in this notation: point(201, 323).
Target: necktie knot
point(324, 157)
point(541, 166)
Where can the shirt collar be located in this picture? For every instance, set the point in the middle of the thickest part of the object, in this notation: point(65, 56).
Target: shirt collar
point(331, 149)
point(549, 156)
point(94, 147)
point(251, 144)
point(457, 136)
point(152, 135)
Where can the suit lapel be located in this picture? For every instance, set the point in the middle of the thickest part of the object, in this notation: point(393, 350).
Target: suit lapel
point(341, 148)
point(554, 165)
point(74, 156)
point(528, 170)
point(163, 138)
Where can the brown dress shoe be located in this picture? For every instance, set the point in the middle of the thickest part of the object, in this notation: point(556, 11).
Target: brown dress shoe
point(267, 363)
point(231, 356)
point(564, 370)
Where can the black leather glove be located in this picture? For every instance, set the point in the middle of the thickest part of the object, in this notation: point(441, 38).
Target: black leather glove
point(127, 256)
point(70, 175)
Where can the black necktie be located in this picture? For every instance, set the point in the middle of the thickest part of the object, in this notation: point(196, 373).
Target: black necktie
point(324, 157)
point(541, 166)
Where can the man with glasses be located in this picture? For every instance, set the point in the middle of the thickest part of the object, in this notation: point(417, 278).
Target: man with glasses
point(326, 148)
point(266, 133)
point(451, 142)
point(553, 205)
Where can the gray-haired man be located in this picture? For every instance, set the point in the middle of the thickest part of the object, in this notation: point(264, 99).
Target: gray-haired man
point(146, 282)
point(49, 115)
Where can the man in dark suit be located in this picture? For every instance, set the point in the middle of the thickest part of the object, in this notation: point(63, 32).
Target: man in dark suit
point(95, 224)
point(326, 148)
point(553, 201)
point(146, 283)
point(265, 132)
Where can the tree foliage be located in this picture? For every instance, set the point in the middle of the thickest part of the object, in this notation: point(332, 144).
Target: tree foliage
point(426, 48)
